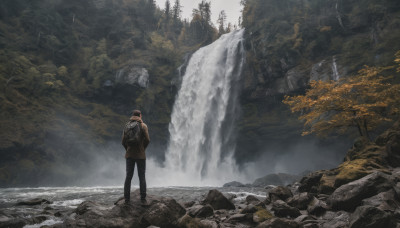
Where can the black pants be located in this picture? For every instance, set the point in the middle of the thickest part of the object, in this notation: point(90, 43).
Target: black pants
point(141, 167)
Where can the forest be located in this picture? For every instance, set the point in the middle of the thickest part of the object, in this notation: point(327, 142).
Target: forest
point(59, 61)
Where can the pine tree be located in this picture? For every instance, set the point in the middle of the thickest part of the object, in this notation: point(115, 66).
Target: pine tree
point(167, 11)
point(221, 22)
point(176, 10)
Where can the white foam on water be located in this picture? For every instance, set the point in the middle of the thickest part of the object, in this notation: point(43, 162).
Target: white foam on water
point(68, 203)
point(49, 222)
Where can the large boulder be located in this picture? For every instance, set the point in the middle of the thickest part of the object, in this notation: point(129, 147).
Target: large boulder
point(250, 209)
point(279, 193)
point(160, 212)
point(201, 211)
point(310, 182)
point(386, 201)
point(371, 217)
point(349, 196)
point(218, 201)
point(163, 213)
point(317, 207)
point(250, 199)
point(301, 200)
point(337, 219)
point(281, 209)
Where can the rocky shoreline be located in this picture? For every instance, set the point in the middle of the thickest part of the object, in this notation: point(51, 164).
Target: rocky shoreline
point(372, 201)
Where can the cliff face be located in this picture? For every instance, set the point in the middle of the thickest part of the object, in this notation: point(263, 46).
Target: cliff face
point(291, 42)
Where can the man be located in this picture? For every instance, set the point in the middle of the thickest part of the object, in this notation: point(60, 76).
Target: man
point(135, 154)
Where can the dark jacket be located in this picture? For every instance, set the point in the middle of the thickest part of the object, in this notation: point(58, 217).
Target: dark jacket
point(137, 152)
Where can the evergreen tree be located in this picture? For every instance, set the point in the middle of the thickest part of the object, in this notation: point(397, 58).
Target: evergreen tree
point(167, 11)
point(221, 22)
point(176, 10)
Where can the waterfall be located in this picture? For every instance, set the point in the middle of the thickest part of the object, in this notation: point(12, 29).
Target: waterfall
point(335, 73)
point(203, 118)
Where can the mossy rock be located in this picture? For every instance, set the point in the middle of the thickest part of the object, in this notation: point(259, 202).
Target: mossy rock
point(261, 215)
point(356, 169)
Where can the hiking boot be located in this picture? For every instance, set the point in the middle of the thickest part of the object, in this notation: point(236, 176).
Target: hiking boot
point(143, 202)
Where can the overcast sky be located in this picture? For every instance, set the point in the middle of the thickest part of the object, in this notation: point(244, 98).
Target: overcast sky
point(232, 8)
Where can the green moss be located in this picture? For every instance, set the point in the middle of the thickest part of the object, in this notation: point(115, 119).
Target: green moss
point(262, 214)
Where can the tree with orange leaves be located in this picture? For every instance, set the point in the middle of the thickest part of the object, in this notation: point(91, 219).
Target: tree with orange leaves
point(363, 101)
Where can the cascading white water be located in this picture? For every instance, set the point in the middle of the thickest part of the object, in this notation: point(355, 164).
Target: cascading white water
point(335, 73)
point(202, 122)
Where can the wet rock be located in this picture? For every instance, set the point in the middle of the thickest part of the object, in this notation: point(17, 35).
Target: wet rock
point(312, 224)
point(308, 221)
point(218, 201)
point(240, 218)
point(275, 179)
point(349, 196)
point(301, 200)
point(279, 193)
point(386, 201)
point(260, 204)
point(160, 211)
point(163, 213)
point(267, 201)
point(371, 217)
point(250, 199)
point(200, 211)
point(188, 204)
point(188, 221)
point(281, 209)
point(38, 219)
point(10, 221)
point(58, 214)
point(339, 219)
point(32, 202)
point(91, 207)
point(303, 218)
point(309, 182)
point(209, 223)
point(234, 184)
point(279, 223)
point(250, 209)
point(317, 207)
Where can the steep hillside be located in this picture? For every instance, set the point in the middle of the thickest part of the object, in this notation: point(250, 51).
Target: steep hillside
point(71, 72)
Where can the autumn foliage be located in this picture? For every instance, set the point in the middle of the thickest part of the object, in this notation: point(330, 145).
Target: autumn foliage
point(362, 101)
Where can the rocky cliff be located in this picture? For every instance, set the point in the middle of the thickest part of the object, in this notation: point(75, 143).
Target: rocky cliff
point(290, 43)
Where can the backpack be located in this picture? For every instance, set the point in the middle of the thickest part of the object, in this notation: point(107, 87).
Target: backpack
point(132, 133)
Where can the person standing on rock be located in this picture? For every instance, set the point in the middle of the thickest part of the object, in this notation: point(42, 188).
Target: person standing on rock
point(135, 139)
